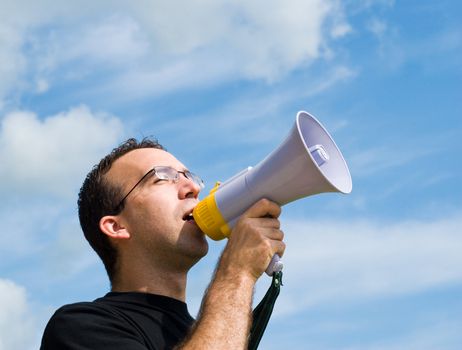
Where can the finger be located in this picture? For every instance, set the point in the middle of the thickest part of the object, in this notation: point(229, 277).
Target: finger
point(274, 234)
point(278, 247)
point(263, 208)
point(266, 222)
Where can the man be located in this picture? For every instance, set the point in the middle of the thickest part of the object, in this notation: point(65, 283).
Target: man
point(135, 210)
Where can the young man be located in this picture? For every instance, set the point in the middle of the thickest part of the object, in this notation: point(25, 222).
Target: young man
point(135, 210)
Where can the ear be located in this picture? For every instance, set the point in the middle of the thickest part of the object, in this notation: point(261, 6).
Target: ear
point(111, 226)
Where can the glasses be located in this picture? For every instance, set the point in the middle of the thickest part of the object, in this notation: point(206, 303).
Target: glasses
point(166, 173)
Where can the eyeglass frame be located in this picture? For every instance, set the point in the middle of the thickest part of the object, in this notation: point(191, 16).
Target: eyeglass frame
point(186, 173)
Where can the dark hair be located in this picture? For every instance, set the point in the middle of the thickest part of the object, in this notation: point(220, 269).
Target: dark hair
point(98, 197)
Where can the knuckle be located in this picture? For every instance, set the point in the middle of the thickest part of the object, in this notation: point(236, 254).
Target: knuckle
point(277, 224)
point(281, 248)
point(269, 205)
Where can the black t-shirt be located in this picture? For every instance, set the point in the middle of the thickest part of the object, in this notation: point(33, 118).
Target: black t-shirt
point(125, 321)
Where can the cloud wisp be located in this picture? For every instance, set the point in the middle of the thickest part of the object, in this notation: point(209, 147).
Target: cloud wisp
point(351, 261)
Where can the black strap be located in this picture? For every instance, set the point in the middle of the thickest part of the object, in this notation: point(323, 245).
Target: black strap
point(262, 313)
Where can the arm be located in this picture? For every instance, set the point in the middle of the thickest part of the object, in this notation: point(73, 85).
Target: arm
point(225, 317)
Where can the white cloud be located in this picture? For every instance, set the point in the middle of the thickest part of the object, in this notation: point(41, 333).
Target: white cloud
point(52, 155)
point(233, 41)
point(17, 325)
point(330, 262)
point(111, 42)
point(208, 44)
point(169, 44)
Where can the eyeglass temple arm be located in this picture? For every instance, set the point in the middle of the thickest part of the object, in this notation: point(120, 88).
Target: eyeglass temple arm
point(136, 185)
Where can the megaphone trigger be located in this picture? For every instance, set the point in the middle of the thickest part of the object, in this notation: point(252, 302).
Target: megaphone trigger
point(275, 265)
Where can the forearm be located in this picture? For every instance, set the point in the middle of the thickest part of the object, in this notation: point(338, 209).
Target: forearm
point(225, 317)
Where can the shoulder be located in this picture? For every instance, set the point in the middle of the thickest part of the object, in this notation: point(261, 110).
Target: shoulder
point(86, 325)
point(83, 313)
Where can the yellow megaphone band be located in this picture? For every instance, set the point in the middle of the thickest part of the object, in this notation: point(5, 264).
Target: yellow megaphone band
point(208, 217)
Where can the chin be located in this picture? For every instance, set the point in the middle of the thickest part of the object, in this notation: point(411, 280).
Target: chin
point(203, 249)
point(194, 244)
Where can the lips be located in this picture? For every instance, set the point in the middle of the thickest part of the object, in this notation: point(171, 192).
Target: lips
point(188, 216)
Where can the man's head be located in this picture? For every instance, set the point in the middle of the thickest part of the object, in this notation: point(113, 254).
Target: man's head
point(117, 210)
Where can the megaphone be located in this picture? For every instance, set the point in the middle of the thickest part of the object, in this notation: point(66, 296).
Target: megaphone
point(307, 162)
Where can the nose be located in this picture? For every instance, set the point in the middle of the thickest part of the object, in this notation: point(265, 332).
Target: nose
point(188, 188)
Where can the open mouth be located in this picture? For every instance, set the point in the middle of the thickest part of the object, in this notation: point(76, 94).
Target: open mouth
point(188, 217)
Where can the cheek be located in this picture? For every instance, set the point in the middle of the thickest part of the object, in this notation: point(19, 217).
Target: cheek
point(160, 210)
point(151, 225)
point(156, 211)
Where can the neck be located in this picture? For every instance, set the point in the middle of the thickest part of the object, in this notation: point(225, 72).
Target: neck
point(154, 281)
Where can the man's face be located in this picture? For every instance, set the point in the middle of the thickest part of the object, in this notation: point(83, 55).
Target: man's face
point(155, 213)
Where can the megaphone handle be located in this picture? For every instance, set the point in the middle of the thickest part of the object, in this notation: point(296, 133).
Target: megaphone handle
point(275, 265)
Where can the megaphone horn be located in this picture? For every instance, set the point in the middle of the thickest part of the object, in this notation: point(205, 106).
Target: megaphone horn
point(307, 162)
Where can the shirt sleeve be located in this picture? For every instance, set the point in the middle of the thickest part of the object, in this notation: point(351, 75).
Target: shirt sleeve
point(85, 327)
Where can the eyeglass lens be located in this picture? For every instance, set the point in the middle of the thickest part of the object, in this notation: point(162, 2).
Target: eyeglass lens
point(169, 173)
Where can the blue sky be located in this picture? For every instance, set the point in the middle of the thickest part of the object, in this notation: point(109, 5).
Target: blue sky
point(219, 84)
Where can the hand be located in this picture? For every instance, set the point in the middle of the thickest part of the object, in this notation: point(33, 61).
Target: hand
point(254, 240)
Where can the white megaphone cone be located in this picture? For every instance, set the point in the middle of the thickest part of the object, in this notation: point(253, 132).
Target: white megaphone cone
point(307, 162)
